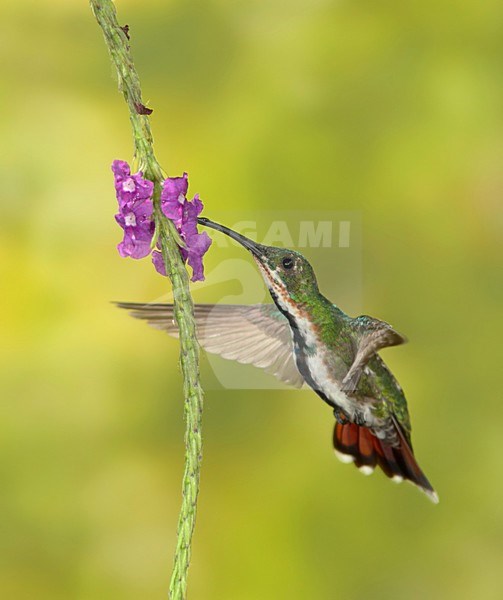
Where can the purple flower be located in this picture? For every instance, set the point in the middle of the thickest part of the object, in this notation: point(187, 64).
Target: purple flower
point(134, 195)
point(159, 262)
point(197, 246)
point(130, 188)
point(184, 213)
point(173, 197)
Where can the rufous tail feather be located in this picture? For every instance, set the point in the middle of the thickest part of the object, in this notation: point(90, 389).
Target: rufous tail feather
point(357, 444)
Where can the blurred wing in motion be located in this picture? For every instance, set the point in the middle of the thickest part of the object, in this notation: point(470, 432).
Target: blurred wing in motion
point(256, 334)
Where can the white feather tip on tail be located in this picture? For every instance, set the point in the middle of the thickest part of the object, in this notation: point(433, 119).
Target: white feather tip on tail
point(366, 470)
point(432, 495)
point(344, 458)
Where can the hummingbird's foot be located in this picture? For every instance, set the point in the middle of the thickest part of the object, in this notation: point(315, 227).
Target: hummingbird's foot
point(359, 419)
point(340, 416)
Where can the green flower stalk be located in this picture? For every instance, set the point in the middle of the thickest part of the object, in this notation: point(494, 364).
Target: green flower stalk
point(169, 241)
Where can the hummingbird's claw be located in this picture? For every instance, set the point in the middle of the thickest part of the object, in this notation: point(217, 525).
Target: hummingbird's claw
point(340, 416)
point(359, 419)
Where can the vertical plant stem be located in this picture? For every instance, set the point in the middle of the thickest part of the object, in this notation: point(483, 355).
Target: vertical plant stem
point(117, 42)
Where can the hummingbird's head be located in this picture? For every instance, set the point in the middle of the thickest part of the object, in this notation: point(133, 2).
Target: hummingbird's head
point(288, 275)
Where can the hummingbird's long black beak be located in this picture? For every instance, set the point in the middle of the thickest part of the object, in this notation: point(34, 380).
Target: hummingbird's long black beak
point(255, 248)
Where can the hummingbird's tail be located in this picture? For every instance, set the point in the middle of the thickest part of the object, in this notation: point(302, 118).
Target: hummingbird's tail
point(357, 444)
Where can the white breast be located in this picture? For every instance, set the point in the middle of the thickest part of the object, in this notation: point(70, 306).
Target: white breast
point(325, 382)
point(322, 378)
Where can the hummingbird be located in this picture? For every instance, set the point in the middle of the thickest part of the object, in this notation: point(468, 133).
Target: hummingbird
point(303, 338)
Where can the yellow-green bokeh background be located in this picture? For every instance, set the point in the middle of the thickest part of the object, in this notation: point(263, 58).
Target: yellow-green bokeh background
point(391, 109)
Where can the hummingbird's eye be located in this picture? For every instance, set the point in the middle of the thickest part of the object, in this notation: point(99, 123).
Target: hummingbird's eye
point(287, 262)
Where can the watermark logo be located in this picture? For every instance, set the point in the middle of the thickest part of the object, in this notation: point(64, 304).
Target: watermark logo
point(304, 234)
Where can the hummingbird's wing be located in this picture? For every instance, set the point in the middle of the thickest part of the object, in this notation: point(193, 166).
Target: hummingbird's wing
point(373, 335)
point(256, 334)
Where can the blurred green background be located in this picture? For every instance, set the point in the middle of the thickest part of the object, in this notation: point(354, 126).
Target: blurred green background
point(393, 111)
